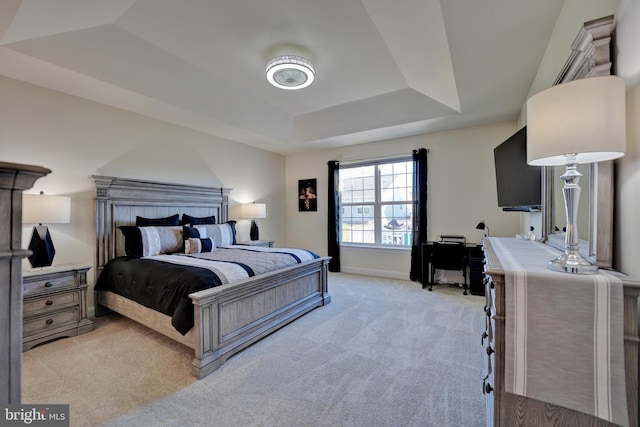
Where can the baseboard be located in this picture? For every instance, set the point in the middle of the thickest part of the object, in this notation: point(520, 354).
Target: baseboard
point(376, 273)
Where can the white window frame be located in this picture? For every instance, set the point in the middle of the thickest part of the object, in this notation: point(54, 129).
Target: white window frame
point(377, 204)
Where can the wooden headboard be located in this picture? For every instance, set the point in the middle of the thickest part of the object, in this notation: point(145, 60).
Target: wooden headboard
point(120, 200)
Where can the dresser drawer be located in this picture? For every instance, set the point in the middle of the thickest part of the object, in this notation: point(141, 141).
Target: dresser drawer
point(51, 322)
point(31, 285)
point(50, 302)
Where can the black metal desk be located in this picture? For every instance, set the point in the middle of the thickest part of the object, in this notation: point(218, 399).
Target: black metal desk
point(475, 257)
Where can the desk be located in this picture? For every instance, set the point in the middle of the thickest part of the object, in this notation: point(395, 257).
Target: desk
point(475, 258)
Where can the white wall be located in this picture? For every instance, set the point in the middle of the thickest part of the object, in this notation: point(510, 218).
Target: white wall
point(627, 209)
point(76, 138)
point(461, 192)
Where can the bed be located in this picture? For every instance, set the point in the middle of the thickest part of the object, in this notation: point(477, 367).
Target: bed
point(226, 318)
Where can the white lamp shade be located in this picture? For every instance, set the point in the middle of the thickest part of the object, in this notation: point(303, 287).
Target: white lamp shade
point(584, 117)
point(254, 210)
point(44, 209)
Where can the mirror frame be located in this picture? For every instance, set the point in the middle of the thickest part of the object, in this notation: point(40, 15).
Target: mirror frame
point(590, 57)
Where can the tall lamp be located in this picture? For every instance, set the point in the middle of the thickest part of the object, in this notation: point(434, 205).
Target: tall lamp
point(582, 121)
point(43, 209)
point(254, 211)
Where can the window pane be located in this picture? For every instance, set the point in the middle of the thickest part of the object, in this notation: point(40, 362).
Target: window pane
point(357, 185)
point(396, 182)
point(397, 224)
point(358, 224)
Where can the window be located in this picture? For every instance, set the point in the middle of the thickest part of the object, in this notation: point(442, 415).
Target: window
point(376, 202)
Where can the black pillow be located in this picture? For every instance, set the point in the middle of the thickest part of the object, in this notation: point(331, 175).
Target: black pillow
point(146, 222)
point(194, 220)
point(132, 240)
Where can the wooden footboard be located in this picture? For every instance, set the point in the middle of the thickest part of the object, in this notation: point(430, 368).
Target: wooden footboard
point(230, 318)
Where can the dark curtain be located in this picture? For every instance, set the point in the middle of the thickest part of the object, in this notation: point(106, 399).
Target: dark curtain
point(333, 224)
point(420, 212)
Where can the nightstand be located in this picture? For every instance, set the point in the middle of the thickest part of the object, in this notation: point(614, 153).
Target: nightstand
point(54, 304)
point(265, 243)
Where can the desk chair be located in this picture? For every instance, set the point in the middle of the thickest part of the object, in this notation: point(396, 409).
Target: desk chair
point(449, 255)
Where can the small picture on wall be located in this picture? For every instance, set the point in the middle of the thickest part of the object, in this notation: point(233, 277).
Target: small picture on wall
point(307, 198)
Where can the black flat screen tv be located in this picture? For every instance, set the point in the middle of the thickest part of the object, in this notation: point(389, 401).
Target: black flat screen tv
point(519, 184)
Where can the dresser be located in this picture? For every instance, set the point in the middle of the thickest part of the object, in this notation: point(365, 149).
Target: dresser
point(54, 304)
point(507, 409)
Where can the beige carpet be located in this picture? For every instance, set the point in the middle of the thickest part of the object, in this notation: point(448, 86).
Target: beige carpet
point(383, 353)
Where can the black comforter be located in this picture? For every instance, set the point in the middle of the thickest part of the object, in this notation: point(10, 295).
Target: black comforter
point(158, 285)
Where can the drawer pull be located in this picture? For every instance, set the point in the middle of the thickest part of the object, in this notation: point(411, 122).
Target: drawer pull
point(48, 284)
point(484, 335)
point(49, 321)
point(49, 302)
point(489, 350)
point(487, 388)
point(488, 311)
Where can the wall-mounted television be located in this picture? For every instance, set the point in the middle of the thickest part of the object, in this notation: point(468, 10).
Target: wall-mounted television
point(519, 184)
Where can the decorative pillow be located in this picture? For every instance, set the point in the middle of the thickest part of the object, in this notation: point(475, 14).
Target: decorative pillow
point(193, 220)
point(221, 234)
point(196, 246)
point(147, 241)
point(168, 221)
point(198, 232)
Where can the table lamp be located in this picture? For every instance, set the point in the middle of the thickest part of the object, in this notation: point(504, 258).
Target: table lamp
point(582, 121)
point(482, 226)
point(43, 209)
point(254, 211)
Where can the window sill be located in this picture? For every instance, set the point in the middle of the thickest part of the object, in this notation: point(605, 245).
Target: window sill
point(376, 247)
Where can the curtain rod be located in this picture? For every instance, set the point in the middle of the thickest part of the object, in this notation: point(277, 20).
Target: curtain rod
point(374, 158)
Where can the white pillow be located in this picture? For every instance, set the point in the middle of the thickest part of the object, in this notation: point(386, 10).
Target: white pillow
point(221, 234)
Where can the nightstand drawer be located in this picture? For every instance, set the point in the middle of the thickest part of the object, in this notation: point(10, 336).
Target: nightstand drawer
point(50, 302)
point(51, 322)
point(34, 284)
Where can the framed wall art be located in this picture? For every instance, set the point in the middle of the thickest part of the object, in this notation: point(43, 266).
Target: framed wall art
point(307, 196)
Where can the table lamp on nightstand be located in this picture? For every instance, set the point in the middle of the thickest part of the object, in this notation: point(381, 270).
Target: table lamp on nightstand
point(43, 209)
point(254, 211)
point(582, 121)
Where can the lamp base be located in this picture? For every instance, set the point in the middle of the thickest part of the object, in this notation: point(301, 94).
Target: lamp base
point(572, 262)
point(41, 247)
point(254, 233)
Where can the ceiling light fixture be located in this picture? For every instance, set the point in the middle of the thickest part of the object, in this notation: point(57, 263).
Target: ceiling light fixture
point(290, 72)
